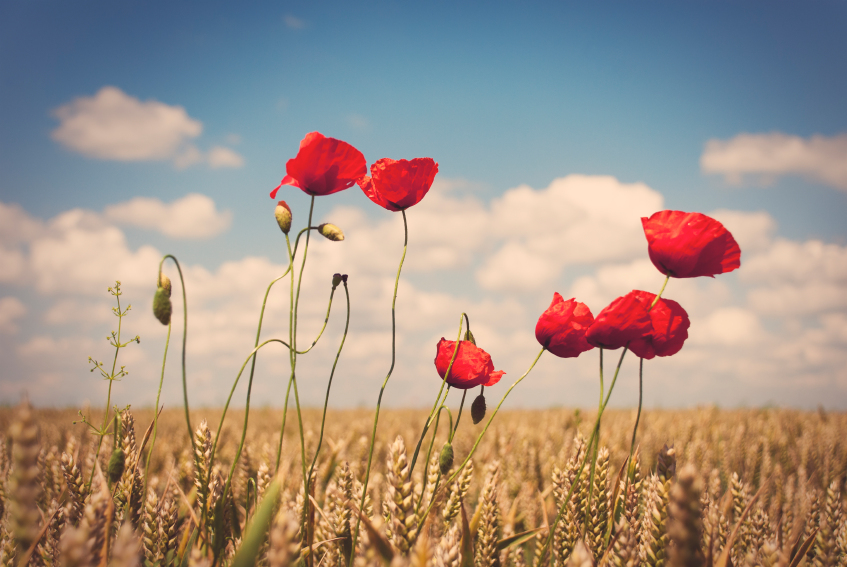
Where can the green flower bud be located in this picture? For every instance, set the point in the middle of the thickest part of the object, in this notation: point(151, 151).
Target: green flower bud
point(162, 306)
point(478, 409)
point(116, 465)
point(469, 336)
point(283, 216)
point(165, 284)
point(331, 232)
point(445, 459)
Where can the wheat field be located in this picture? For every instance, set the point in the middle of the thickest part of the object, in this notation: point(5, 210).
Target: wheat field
point(766, 486)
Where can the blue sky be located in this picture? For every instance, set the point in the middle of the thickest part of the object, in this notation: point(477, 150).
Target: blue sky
point(501, 96)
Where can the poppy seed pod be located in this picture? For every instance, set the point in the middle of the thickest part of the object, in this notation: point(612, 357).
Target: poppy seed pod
point(162, 306)
point(165, 284)
point(478, 409)
point(331, 232)
point(445, 459)
point(117, 462)
point(336, 279)
point(283, 216)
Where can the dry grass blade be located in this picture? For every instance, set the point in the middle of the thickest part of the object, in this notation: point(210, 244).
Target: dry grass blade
point(383, 547)
point(24, 560)
point(613, 517)
point(801, 552)
point(467, 539)
point(724, 559)
point(149, 432)
point(518, 539)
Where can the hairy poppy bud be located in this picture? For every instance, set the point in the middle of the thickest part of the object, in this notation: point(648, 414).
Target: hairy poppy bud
point(445, 459)
point(331, 232)
point(165, 284)
point(469, 337)
point(283, 216)
point(162, 306)
point(116, 465)
point(478, 409)
point(336, 279)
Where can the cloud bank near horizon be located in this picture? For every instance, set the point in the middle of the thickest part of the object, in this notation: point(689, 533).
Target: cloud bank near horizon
point(773, 332)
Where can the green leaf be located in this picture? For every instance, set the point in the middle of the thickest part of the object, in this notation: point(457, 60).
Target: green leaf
point(517, 539)
point(248, 554)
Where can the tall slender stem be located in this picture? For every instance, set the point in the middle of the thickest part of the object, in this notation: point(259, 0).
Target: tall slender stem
point(459, 416)
point(329, 383)
point(384, 383)
point(156, 412)
point(458, 471)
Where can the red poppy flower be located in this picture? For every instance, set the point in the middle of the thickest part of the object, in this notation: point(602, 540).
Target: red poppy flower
point(669, 323)
point(323, 166)
point(623, 320)
point(472, 367)
point(688, 245)
point(561, 329)
point(396, 185)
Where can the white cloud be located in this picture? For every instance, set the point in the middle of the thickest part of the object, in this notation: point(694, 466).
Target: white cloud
point(768, 156)
point(192, 217)
point(293, 22)
point(577, 219)
point(358, 122)
point(220, 156)
point(113, 125)
point(747, 343)
point(11, 309)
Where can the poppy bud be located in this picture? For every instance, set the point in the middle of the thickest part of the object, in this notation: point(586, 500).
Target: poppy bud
point(116, 465)
point(331, 232)
point(445, 459)
point(336, 279)
point(469, 337)
point(165, 283)
point(283, 216)
point(478, 409)
point(162, 306)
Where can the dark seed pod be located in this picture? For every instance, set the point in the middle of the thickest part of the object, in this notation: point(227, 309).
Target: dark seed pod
point(336, 279)
point(162, 306)
point(445, 460)
point(478, 409)
point(117, 462)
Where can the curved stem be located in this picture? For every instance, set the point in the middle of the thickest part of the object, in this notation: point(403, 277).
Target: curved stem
point(229, 400)
point(331, 374)
point(184, 341)
point(458, 471)
point(429, 451)
point(246, 416)
point(384, 383)
point(292, 319)
point(458, 417)
point(438, 398)
point(156, 412)
point(326, 320)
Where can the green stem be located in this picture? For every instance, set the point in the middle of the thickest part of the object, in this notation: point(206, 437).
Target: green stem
point(292, 319)
point(458, 417)
point(384, 383)
point(331, 374)
point(156, 412)
point(111, 380)
point(593, 468)
point(438, 398)
point(326, 320)
point(429, 451)
point(458, 471)
point(184, 340)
